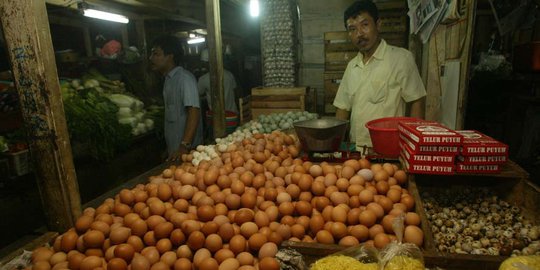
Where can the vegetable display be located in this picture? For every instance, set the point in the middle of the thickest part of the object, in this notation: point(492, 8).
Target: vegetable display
point(91, 119)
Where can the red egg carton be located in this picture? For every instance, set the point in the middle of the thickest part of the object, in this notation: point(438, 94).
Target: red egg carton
point(429, 149)
point(474, 168)
point(410, 167)
point(482, 160)
point(447, 159)
point(429, 133)
point(476, 143)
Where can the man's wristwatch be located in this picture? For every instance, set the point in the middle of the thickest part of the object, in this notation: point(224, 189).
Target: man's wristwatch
point(186, 144)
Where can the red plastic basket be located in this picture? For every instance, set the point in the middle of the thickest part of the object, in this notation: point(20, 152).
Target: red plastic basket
point(385, 135)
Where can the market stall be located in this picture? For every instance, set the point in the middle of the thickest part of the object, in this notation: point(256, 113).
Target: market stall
point(285, 190)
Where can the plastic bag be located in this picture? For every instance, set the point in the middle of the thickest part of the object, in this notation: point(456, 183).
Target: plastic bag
point(359, 257)
point(398, 255)
point(521, 263)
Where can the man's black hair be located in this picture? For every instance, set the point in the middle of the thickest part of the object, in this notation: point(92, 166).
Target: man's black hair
point(358, 7)
point(170, 45)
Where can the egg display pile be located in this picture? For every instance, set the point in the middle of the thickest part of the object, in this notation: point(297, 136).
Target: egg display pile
point(233, 212)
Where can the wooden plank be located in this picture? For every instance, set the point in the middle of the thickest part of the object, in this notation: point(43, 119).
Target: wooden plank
point(466, 58)
point(255, 112)
point(274, 98)
point(269, 91)
point(281, 104)
point(216, 66)
point(340, 47)
point(28, 40)
point(338, 35)
point(339, 57)
point(335, 66)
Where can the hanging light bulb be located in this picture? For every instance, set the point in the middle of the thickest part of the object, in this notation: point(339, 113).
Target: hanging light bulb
point(254, 8)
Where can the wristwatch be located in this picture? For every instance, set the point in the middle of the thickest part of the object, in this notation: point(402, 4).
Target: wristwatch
point(186, 144)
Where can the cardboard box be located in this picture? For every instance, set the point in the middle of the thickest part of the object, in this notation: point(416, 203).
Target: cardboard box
point(437, 159)
point(476, 143)
point(429, 149)
point(427, 168)
point(429, 133)
point(482, 160)
point(467, 168)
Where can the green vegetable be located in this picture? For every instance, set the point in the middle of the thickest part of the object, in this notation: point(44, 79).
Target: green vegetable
point(92, 120)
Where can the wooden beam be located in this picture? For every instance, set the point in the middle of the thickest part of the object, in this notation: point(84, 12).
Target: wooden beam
point(125, 36)
point(465, 52)
point(28, 40)
point(215, 56)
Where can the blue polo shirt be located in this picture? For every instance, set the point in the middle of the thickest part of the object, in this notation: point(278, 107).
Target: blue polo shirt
point(179, 91)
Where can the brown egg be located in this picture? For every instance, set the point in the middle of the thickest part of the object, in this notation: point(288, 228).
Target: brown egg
point(348, 241)
point(360, 232)
point(230, 263)
point(339, 230)
point(91, 262)
point(412, 218)
point(377, 209)
point(394, 195)
point(324, 237)
point(413, 234)
point(83, 223)
point(268, 250)
point(365, 196)
point(400, 176)
point(243, 215)
point(256, 241)
point(182, 264)
point(237, 244)
point(381, 240)
point(119, 235)
point(200, 256)
point(74, 262)
point(124, 251)
point(151, 254)
point(160, 266)
point(268, 264)
point(347, 172)
point(213, 243)
point(387, 223)
point(315, 170)
point(117, 264)
point(183, 251)
point(68, 241)
point(374, 230)
point(245, 258)
point(223, 254)
point(41, 265)
point(408, 201)
point(168, 258)
point(57, 258)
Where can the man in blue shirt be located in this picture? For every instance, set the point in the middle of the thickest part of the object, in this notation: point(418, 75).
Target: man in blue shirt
point(182, 123)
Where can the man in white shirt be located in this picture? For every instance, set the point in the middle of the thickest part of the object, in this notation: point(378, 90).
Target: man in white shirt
point(380, 81)
point(229, 85)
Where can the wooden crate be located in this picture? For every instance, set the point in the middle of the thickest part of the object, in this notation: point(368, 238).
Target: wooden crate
point(277, 100)
point(244, 105)
point(510, 184)
point(331, 85)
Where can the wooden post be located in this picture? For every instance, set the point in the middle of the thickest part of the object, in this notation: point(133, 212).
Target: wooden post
point(28, 40)
point(215, 56)
point(125, 36)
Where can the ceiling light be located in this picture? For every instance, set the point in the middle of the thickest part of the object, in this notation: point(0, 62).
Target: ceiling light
point(196, 40)
point(105, 15)
point(254, 8)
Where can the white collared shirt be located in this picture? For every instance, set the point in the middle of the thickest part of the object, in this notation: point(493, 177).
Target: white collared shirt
point(379, 88)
